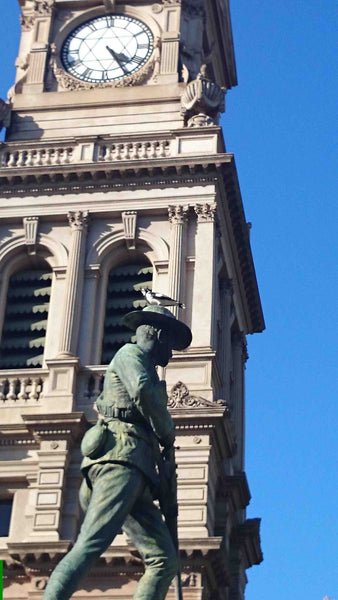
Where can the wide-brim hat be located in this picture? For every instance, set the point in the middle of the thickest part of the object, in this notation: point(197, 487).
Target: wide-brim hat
point(160, 317)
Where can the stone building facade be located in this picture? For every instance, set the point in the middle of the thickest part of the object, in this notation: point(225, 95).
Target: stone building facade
point(110, 180)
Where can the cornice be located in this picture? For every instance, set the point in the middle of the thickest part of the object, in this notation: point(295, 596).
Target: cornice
point(247, 537)
point(242, 240)
point(136, 173)
point(56, 426)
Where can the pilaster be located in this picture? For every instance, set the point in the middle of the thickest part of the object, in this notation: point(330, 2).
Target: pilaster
point(78, 222)
point(178, 216)
point(204, 275)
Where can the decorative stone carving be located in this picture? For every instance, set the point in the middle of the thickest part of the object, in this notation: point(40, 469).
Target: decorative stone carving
point(202, 102)
point(38, 8)
point(178, 214)
point(205, 212)
point(78, 220)
point(21, 63)
point(200, 120)
point(31, 231)
point(129, 219)
point(157, 8)
point(180, 397)
point(67, 82)
point(5, 114)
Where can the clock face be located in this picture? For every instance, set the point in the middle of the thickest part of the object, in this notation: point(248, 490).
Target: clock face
point(107, 48)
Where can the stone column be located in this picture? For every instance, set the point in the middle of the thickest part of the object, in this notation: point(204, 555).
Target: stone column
point(178, 219)
point(238, 407)
point(78, 222)
point(203, 297)
point(226, 293)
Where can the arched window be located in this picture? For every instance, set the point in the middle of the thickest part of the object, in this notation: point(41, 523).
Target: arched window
point(123, 295)
point(25, 323)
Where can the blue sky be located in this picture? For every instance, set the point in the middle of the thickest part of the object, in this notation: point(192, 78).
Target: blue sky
point(280, 125)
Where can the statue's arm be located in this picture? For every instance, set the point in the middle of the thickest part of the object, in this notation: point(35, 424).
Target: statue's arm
point(149, 396)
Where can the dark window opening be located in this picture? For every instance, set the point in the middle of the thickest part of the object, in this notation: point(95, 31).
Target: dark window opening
point(25, 324)
point(5, 516)
point(123, 295)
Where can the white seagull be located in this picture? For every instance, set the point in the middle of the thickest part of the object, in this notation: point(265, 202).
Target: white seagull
point(155, 299)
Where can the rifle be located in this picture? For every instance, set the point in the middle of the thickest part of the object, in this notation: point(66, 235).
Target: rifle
point(169, 506)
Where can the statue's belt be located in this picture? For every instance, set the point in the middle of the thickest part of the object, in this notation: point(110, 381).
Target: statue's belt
point(127, 415)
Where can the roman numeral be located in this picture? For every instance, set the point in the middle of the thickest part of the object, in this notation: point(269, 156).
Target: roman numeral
point(105, 76)
point(87, 73)
point(91, 26)
point(137, 60)
point(110, 21)
point(142, 46)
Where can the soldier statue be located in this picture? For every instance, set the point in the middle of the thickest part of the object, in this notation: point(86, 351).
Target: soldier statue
point(123, 462)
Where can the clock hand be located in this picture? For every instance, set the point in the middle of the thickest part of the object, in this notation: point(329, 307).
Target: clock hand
point(119, 59)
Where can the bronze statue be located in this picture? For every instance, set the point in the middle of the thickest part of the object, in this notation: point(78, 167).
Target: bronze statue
point(123, 464)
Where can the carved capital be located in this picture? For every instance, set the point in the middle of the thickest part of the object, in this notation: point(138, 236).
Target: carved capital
point(178, 214)
point(40, 8)
point(78, 220)
point(205, 212)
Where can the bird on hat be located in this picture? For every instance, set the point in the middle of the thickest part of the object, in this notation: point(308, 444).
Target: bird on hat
point(157, 299)
point(162, 318)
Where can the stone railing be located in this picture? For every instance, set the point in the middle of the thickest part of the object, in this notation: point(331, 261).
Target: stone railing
point(22, 387)
point(89, 386)
point(14, 156)
point(111, 151)
point(39, 157)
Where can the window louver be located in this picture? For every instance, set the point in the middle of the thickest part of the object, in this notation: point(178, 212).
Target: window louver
point(123, 295)
point(24, 331)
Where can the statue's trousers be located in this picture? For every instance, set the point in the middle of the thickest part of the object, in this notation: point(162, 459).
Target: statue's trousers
point(121, 497)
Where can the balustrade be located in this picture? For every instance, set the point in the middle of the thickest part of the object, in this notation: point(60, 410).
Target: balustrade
point(106, 152)
point(36, 157)
point(111, 151)
point(22, 387)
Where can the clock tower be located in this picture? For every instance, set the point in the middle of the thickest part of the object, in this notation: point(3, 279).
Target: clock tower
point(114, 176)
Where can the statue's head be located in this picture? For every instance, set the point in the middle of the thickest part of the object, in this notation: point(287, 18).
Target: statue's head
point(159, 332)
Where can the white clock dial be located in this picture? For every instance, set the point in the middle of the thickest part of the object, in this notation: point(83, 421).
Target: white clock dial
point(107, 48)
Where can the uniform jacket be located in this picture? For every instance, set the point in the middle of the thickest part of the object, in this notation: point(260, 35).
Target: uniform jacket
point(132, 383)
